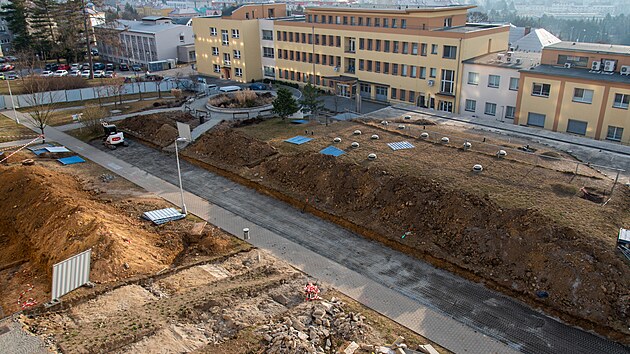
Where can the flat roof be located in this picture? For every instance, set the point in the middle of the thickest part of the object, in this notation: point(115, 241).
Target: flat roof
point(591, 47)
point(583, 74)
point(143, 26)
point(528, 59)
point(390, 8)
point(470, 27)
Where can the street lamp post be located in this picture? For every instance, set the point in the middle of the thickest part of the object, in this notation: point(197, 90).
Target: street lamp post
point(17, 119)
point(179, 175)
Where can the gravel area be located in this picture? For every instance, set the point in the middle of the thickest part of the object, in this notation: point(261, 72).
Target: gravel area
point(13, 340)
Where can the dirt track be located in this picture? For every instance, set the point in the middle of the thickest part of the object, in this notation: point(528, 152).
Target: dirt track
point(519, 237)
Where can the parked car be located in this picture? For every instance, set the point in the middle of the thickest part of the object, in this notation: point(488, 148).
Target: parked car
point(109, 67)
point(52, 67)
point(85, 66)
point(7, 67)
point(136, 67)
point(9, 76)
point(110, 74)
point(258, 86)
point(94, 51)
point(46, 73)
point(230, 88)
point(99, 73)
point(75, 73)
point(85, 74)
point(10, 58)
point(99, 66)
point(74, 66)
point(64, 67)
point(60, 73)
point(123, 67)
point(3, 59)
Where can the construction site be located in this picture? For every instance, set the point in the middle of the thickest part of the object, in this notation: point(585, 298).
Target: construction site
point(522, 219)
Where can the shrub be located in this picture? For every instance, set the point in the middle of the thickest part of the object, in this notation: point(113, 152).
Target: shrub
point(43, 84)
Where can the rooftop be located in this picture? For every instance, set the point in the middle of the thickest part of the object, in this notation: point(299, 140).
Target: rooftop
point(492, 59)
point(441, 6)
point(144, 26)
point(584, 74)
point(470, 27)
point(592, 47)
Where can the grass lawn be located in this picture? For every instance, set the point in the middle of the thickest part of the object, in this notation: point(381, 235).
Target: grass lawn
point(9, 127)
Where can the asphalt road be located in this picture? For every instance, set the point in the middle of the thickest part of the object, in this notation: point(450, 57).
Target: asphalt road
point(484, 310)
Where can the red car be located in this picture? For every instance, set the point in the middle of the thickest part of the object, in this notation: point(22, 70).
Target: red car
point(64, 67)
point(7, 67)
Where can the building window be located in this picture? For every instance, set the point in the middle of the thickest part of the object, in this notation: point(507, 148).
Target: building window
point(423, 49)
point(369, 44)
point(510, 112)
point(434, 48)
point(226, 59)
point(448, 81)
point(541, 90)
point(394, 93)
point(403, 95)
point(213, 31)
point(225, 39)
point(394, 69)
point(445, 106)
point(377, 22)
point(404, 70)
point(267, 35)
point(237, 54)
point(378, 45)
point(614, 133)
point(491, 109)
point(450, 52)
point(360, 21)
point(215, 51)
point(582, 95)
point(345, 20)
point(621, 101)
point(238, 72)
point(269, 71)
point(403, 23)
point(514, 83)
point(352, 21)
point(394, 23)
point(217, 68)
point(448, 22)
point(414, 71)
point(385, 22)
point(423, 72)
point(361, 43)
point(576, 127)
point(396, 47)
point(536, 119)
point(471, 105)
point(181, 38)
point(361, 64)
point(414, 48)
point(386, 46)
point(377, 66)
point(473, 78)
point(385, 68)
point(267, 52)
point(433, 72)
point(494, 81)
point(368, 21)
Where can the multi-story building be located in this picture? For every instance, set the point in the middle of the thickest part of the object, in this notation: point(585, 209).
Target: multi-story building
point(579, 88)
point(491, 83)
point(140, 42)
point(235, 46)
point(400, 54)
point(409, 55)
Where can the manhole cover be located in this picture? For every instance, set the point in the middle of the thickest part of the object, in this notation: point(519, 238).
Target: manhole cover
point(3, 330)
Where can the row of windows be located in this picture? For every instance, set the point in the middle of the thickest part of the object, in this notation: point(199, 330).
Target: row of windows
point(236, 52)
point(396, 69)
point(385, 22)
point(490, 108)
point(574, 126)
point(237, 71)
point(581, 95)
point(494, 81)
point(378, 45)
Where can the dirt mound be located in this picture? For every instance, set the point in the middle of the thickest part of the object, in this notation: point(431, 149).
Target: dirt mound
point(519, 250)
point(218, 147)
point(47, 217)
point(158, 128)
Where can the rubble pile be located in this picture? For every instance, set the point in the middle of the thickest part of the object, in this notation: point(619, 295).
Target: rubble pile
point(321, 327)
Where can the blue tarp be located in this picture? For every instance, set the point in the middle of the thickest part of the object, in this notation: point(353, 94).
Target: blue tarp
point(297, 140)
point(400, 145)
point(38, 147)
point(39, 152)
point(71, 160)
point(333, 151)
point(299, 121)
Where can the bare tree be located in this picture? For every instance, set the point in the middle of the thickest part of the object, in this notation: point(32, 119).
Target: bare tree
point(92, 117)
point(41, 102)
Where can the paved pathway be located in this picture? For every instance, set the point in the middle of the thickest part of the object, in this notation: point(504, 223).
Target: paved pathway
point(460, 315)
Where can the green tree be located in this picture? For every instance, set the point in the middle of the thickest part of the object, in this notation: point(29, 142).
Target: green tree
point(71, 34)
point(15, 12)
point(42, 23)
point(310, 100)
point(284, 105)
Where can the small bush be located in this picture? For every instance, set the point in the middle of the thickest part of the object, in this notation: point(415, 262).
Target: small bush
point(43, 84)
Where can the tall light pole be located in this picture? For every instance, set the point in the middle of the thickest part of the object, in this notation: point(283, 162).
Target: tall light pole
point(179, 175)
point(17, 119)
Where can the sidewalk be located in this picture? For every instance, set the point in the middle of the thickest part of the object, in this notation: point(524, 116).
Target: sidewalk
point(72, 126)
point(522, 130)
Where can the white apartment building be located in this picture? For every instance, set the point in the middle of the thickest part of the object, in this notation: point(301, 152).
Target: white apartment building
point(152, 39)
point(490, 84)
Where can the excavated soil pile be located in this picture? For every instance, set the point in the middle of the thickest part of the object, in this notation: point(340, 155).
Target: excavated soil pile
point(218, 147)
point(47, 217)
point(517, 250)
point(158, 128)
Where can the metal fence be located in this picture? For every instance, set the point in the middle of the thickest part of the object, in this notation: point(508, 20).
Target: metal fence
point(71, 274)
point(88, 93)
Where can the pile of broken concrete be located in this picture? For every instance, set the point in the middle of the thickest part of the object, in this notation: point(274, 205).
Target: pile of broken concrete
point(315, 330)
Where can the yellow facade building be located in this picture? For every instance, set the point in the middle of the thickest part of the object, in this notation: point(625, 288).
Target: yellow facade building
point(579, 88)
point(229, 46)
point(411, 55)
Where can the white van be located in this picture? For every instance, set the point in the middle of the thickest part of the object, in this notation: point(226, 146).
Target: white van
point(230, 88)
